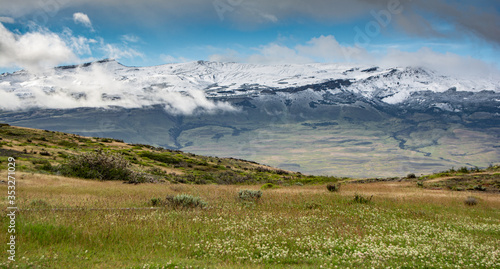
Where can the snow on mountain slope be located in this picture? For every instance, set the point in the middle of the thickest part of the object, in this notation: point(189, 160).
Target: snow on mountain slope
point(186, 87)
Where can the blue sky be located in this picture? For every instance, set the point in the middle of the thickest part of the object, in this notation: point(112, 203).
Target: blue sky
point(439, 34)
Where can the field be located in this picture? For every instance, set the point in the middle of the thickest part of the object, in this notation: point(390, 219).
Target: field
point(76, 223)
point(445, 220)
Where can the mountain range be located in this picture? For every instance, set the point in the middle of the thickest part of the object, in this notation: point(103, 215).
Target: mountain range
point(336, 119)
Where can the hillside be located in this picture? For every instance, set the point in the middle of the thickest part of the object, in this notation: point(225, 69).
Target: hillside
point(49, 152)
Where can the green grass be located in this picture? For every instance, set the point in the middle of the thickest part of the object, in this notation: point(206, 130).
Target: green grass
point(287, 228)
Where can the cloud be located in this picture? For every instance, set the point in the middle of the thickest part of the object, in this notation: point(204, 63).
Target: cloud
point(79, 44)
point(42, 48)
point(119, 51)
point(83, 19)
point(97, 86)
point(445, 63)
point(227, 55)
point(34, 50)
point(130, 38)
point(418, 17)
point(328, 49)
point(6, 20)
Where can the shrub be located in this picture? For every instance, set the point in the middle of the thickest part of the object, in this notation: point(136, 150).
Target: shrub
point(45, 153)
point(263, 169)
point(470, 201)
point(299, 184)
point(411, 175)
point(156, 201)
point(282, 172)
point(479, 188)
point(67, 144)
point(98, 165)
point(420, 184)
point(139, 177)
point(463, 169)
point(268, 186)
point(185, 201)
point(249, 195)
point(361, 199)
point(333, 187)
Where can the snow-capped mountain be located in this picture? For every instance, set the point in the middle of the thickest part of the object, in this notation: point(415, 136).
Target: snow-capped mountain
point(336, 119)
point(182, 88)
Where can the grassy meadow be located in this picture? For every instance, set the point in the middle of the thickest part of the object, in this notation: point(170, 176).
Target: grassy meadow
point(76, 223)
point(70, 222)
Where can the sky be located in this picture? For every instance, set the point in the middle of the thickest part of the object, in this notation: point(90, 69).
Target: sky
point(459, 36)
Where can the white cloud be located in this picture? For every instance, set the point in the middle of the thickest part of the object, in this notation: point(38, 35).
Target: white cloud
point(80, 44)
point(82, 19)
point(130, 38)
point(118, 51)
point(445, 63)
point(97, 86)
point(7, 20)
point(10, 101)
point(227, 55)
point(328, 49)
point(34, 50)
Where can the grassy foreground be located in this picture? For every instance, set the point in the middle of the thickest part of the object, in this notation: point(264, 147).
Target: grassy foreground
point(76, 223)
point(69, 222)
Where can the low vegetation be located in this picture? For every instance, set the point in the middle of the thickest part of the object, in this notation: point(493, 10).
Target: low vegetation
point(465, 179)
point(249, 195)
point(333, 187)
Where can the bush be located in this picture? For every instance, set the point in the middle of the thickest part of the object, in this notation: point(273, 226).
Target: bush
point(45, 153)
point(249, 195)
point(98, 165)
point(420, 184)
point(333, 187)
point(411, 175)
point(299, 184)
point(470, 201)
point(479, 188)
point(268, 186)
point(185, 201)
point(361, 199)
point(156, 201)
point(67, 144)
point(464, 170)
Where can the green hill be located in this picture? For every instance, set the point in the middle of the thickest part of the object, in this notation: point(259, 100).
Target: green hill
point(43, 151)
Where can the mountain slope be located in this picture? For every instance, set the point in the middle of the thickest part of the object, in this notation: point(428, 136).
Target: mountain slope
point(108, 83)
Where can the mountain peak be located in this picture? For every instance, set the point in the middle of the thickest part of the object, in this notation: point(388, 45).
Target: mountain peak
point(107, 61)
